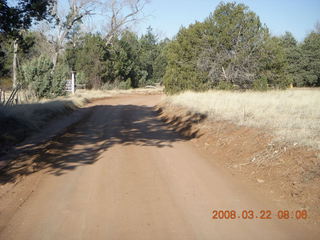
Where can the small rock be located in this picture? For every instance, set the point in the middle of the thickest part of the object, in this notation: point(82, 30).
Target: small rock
point(260, 180)
point(235, 166)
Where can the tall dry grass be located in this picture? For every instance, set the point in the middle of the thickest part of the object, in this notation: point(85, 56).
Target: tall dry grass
point(25, 96)
point(33, 114)
point(19, 121)
point(292, 115)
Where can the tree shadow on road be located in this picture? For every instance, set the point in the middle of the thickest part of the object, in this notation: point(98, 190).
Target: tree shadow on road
point(83, 142)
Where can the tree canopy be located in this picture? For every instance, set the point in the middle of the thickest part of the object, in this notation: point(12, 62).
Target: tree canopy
point(20, 16)
point(230, 49)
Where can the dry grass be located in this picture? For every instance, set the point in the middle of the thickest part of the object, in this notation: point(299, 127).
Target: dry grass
point(25, 96)
point(20, 120)
point(292, 115)
point(34, 114)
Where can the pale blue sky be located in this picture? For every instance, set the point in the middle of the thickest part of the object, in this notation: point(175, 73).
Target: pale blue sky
point(167, 16)
point(296, 16)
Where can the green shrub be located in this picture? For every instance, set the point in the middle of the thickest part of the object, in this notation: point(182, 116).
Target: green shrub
point(59, 77)
point(260, 84)
point(81, 78)
point(125, 84)
point(223, 85)
point(38, 74)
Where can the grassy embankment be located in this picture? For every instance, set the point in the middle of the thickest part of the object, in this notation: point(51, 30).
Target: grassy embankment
point(21, 120)
point(292, 116)
point(271, 139)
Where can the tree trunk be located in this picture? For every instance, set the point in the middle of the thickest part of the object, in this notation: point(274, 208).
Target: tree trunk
point(55, 60)
point(14, 63)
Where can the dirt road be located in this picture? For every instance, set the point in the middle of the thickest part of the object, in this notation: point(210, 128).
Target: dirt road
point(122, 174)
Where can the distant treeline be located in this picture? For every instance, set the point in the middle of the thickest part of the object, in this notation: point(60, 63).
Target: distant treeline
point(42, 60)
point(231, 49)
point(128, 62)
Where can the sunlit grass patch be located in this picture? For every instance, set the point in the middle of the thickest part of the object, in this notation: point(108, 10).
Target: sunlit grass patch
point(291, 115)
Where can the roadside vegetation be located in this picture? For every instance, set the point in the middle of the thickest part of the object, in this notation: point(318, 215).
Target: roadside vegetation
point(19, 121)
point(42, 59)
point(43, 42)
point(131, 62)
point(232, 49)
point(292, 115)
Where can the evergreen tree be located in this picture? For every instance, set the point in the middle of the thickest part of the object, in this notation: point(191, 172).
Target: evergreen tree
point(123, 66)
point(294, 58)
point(272, 64)
point(86, 58)
point(149, 52)
point(182, 54)
point(230, 49)
point(233, 45)
point(160, 62)
point(311, 60)
point(21, 16)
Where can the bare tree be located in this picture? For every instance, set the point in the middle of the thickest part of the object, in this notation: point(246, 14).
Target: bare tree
point(64, 22)
point(120, 13)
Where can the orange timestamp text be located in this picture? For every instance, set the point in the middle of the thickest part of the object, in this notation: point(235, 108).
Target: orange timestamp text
point(260, 214)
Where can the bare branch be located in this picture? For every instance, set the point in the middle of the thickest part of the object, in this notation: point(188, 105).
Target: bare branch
point(78, 10)
point(120, 13)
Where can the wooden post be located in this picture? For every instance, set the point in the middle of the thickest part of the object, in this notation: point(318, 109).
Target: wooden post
point(15, 68)
point(14, 64)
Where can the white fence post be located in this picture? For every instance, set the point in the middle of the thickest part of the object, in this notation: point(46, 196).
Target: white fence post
point(73, 82)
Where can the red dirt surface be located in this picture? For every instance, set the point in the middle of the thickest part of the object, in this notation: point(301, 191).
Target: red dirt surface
point(286, 174)
point(121, 173)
